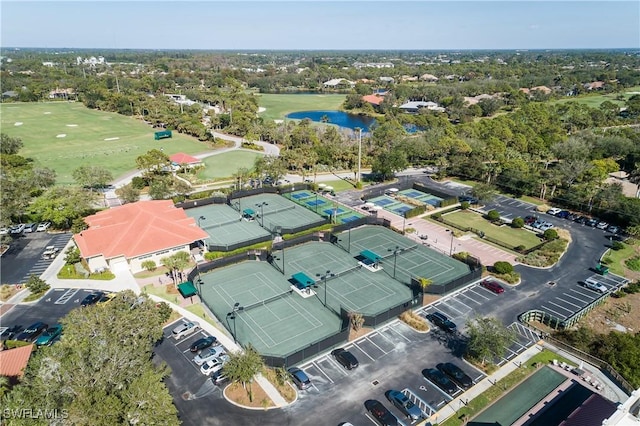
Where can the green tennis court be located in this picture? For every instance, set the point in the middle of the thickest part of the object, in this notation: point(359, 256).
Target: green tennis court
point(324, 206)
point(277, 211)
point(411, 260)
point(525, 396)
point(224, 225)
point(274, 319)
point(348, 284)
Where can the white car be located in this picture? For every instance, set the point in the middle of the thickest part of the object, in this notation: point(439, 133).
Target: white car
point(545, 226)
point(554, 211)
point(43, 226)
point(4, 231)
point(602, 225)
point(594, 285)
point(185, 329)
point(212, 366)
point(17, 229)
point(209, 354)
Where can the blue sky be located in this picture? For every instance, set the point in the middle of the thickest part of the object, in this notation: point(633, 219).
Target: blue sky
point(306, 24)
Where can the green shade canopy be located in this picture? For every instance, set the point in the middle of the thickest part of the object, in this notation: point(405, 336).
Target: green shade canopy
point(187, 289)
point(370, 256)
point(248, 212)
point(303, 280)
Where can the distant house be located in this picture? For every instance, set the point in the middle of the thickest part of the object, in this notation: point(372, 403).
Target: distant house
point(123, 237)
point(542, 89)
point(595, 85)
point(61, 93)
point(181, 158)
point(413, 107)
point(336, 83)
point(359, 65)
point(14, 361)
point(429, 77)
point(375, 100)
point(629, 189)
point(472, 100)
point(409, 78)
point(387, 79)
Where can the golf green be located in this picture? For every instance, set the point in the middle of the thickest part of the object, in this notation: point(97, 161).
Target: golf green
point(66, 135)
point(278, 106)
point(226, 164)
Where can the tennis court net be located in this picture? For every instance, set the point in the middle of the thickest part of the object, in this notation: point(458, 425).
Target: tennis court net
point(218, 225)
point(269, 300)
point(345, 272)
point(400, 251)
point(270, 212)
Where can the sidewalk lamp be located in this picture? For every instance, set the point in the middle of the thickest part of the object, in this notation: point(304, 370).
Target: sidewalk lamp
point(395, 250)
point(324, 277)
point(349, 239)
point(451, 246)
point(200, 219)
point(234, 312)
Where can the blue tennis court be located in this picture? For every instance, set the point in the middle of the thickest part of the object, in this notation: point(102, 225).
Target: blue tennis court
point(402, 209)
point(412, 193)
point(384, 201)
point(349, 218)
point(301, 195)
point(314, 203)
point(334, 211)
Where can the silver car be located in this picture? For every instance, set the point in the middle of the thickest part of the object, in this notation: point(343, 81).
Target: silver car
point(184, 329)
point(209, 354)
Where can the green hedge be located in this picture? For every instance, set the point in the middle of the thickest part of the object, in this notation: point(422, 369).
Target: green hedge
point(416, 211)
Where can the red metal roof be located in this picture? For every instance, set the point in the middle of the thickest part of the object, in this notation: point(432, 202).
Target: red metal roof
point(373, 99)
point(13, 361)
point(182, 158)
point(136, 229)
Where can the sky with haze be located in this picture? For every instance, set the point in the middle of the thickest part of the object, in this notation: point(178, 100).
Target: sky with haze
point(316, 25)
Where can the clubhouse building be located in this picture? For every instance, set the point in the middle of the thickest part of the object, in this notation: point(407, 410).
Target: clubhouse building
point(124, 237)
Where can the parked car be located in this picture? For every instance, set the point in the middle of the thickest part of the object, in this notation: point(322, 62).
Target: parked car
point(613, 229)
point(32, 332)
point(218, 377)
point(572, 216)
point(50, 252)
point(580, 219)
point(16, 229)
point(492, 285)
point(404, 404)
point(602, 225)
point(209, 354)
point(380, 413)
point(300, 378)
point(563, 214)
point(554, 211)
point(440, 380)
point(591, 222)
point(49, 336)
point(92, 298)
point(203, 343)
point(4, 231)
point(10, 332)
point(440, 320)
point(345, 358)
point(530, 220)
point(43, 226)
point(456, 374)
point(538, 223)
point(30, 227)
point(212, 366)
point(184, 329)
point(106, 298)
point(594, 285)
point(545, 226)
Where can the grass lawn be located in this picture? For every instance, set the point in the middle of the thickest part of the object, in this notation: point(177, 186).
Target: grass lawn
point(506, 234)
point(278, 106)
point(594, 101)
point(615, 258)
point(225, 165)
point(338, 185)
point(91, 137)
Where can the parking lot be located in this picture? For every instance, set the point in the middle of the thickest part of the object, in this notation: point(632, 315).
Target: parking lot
point(25, 257)
point(50, 309)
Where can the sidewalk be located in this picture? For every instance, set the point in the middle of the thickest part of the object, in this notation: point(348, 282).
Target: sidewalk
point(460, 401)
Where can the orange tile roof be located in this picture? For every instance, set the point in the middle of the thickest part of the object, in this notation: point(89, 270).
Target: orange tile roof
point(182, 158)
point(13, 361)
point(136, 229)
point(373, 99)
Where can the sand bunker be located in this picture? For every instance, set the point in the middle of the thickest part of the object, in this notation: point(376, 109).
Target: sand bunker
point(262, 109)
point(61, 135)
point(48, 112)
point(18, 123)
point(72, 125)
point(112, 139)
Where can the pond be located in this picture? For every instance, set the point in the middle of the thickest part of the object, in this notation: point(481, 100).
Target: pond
point(339, 118)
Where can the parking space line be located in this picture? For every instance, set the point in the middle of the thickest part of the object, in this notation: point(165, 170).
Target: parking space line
point(577, 298)
point(418, 401)
point(479, 293)
point(585, 293)
point(471, 299)
point(551, 310)
point(364, 352)
point(374, 344)
point(573, 304)
point(559, 306)
point(340, 367)
point(398, 333)
point(323, 373)
point(454, 309)
point(66, 296)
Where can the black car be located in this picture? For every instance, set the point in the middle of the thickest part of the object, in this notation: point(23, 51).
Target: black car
point(440, 380)
point(440, 320)
point(345, 358)
point(10, 332)
point(203, 343)
point(92, 299)
point(380, 413)
point(456, 374)
point(32, 332)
